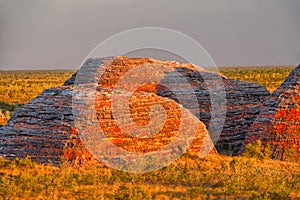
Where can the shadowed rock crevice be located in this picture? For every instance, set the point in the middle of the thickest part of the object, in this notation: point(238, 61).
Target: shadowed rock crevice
point(244, 100)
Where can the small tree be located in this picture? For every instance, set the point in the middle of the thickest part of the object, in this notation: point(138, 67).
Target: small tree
point(253, 150)
point(268, 152)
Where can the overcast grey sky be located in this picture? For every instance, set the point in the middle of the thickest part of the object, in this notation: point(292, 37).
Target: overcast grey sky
point(40, 34)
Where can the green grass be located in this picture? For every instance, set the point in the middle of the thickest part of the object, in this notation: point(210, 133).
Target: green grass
point(188, 178)
point(19, 87)
point(270, 77)
point(22, 86)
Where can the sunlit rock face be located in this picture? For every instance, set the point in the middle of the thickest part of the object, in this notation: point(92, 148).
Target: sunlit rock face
point(278, 124)
point(243, 99)
point(44, 128)
point(40, 128)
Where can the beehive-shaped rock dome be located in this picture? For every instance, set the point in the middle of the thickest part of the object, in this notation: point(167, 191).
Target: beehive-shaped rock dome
point(278, 124)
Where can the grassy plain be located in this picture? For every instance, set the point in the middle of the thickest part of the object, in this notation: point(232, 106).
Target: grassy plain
point(190, 177)
point(19, 87)
point(269, 76)
point(22, 86)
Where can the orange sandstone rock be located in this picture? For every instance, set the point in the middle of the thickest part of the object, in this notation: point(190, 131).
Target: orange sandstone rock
point(278, 124)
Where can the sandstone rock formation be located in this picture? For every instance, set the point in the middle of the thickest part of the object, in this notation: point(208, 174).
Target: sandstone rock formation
point(244, 99)
point(278, 124)
point(44, 128)
point(243, 103)
point(40, 128)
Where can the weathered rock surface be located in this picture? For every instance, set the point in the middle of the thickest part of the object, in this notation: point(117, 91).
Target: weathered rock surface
point(44, 129)
point(40, 128)
point(244, 101)
point(278, 124)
